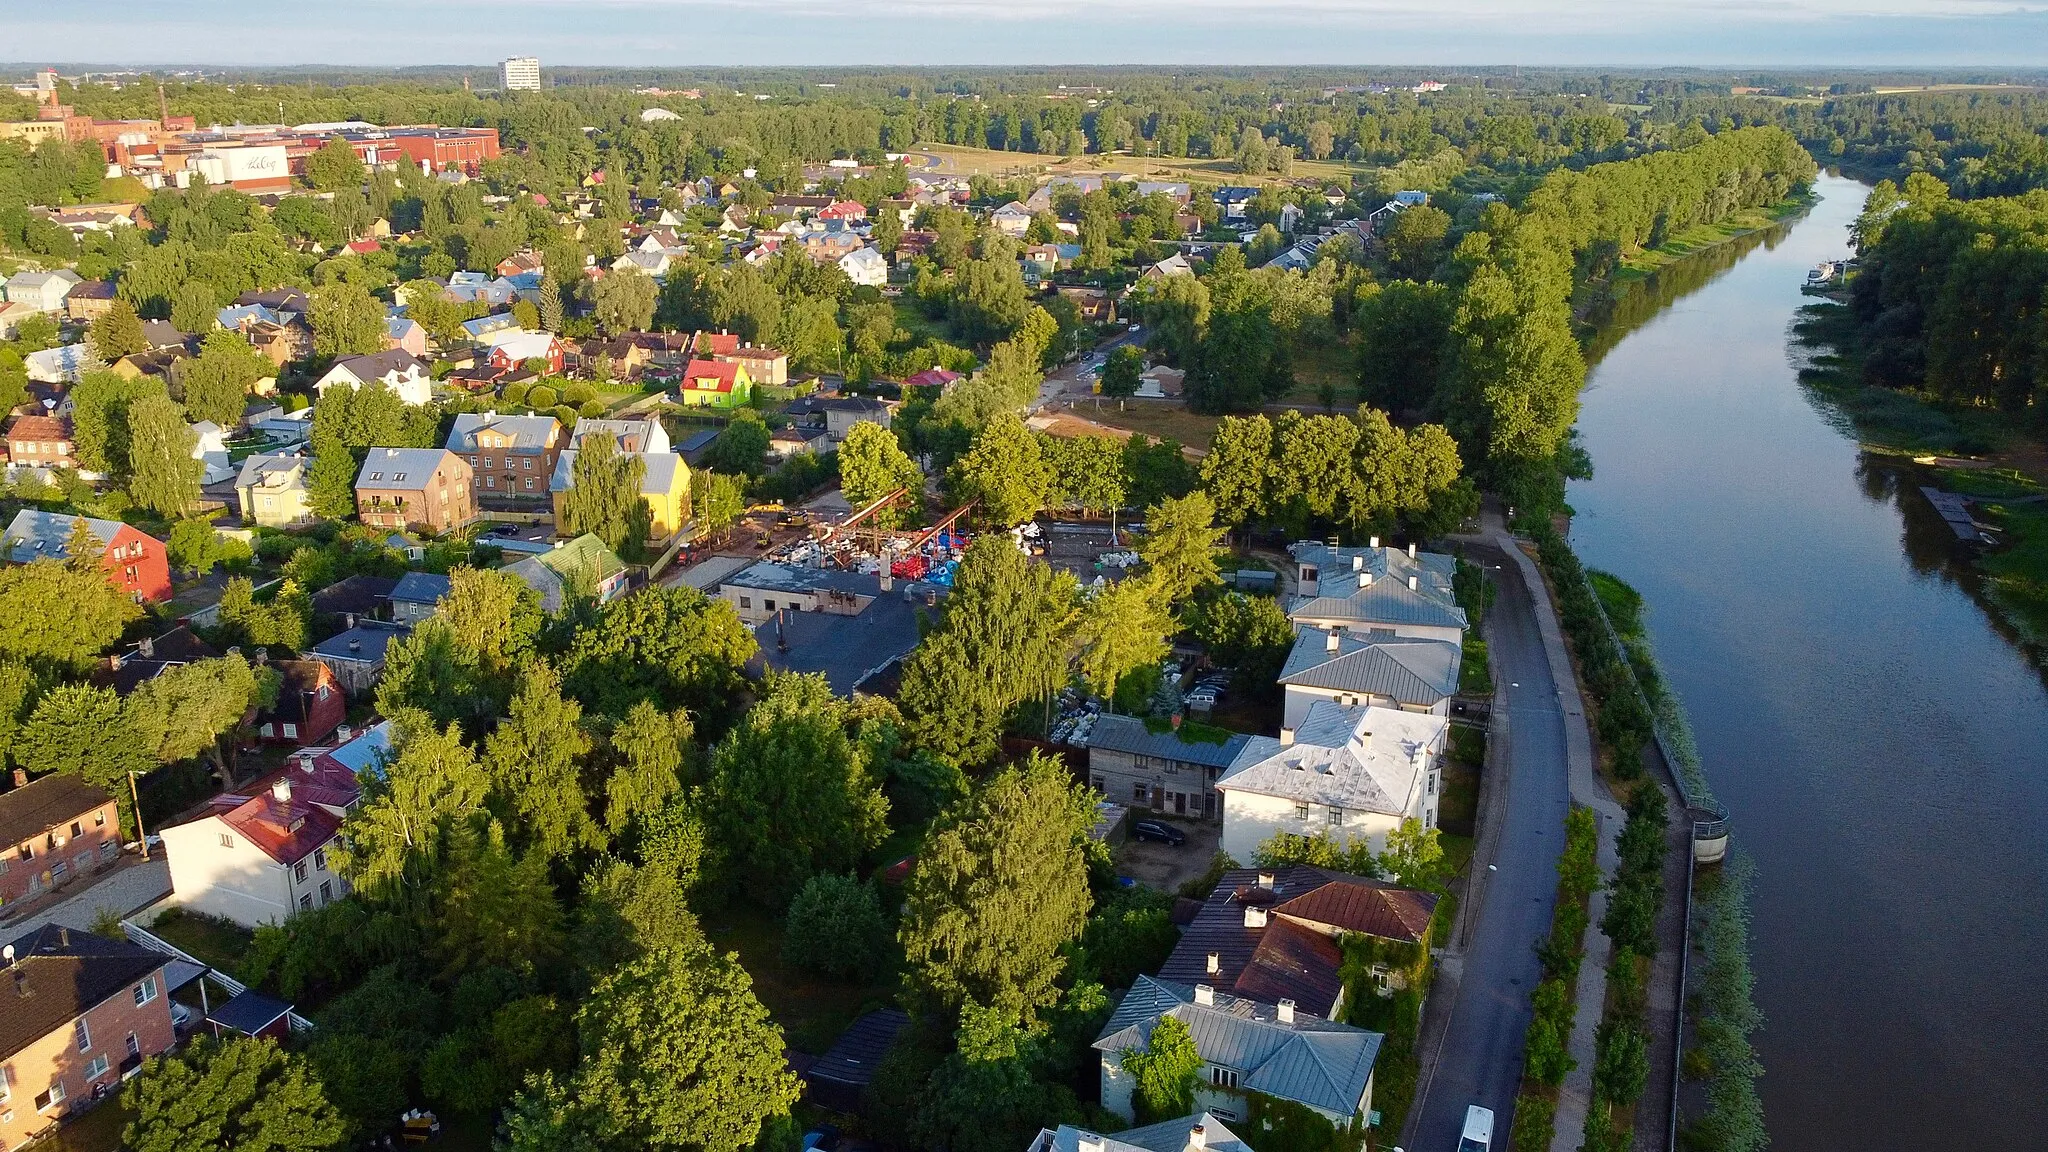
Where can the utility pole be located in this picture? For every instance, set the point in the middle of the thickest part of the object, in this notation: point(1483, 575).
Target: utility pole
point(141, 833)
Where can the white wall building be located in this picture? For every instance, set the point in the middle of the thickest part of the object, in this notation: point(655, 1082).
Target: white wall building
point(1375, 589)
point(519, 74)
point(258, 859)
point(1354, 668)
point(1353, 774)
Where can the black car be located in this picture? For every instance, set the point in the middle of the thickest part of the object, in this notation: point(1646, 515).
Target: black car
point(1154, 830)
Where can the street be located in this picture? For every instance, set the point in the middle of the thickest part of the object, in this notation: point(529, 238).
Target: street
point(1478, 1058)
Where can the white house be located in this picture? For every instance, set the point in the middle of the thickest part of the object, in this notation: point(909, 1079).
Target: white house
point(256, 859)
point(42, 291)
point(394, 368)
point(61, 365)
point(1201, 1132)
point(1353, 774)
point(1352, 668)
point(865, 266)
point(210, 447)
point(1377, 590)
point(1012, 219)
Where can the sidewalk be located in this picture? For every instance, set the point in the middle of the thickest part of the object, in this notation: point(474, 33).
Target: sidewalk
point(1587, 791)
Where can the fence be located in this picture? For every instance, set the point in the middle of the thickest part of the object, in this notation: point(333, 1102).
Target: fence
point(137, 934)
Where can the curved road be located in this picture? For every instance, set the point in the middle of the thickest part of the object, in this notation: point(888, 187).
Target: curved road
point(1489, 973)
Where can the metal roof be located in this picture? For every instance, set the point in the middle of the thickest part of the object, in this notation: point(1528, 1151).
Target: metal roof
point(1165, 1136)
point(405, 468)
point(1410, 670)
point(421, 588)
point(528, 433)
point(38, 535)
point(1366, 759)
point(1129, 734)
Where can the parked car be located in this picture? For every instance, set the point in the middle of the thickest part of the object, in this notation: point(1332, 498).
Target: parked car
point(1160, 831)
point(1478, 1134)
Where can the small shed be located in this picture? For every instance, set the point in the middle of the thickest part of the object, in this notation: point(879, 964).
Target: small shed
point(835, 1081)
point(1257, 580)
point(251, 1014)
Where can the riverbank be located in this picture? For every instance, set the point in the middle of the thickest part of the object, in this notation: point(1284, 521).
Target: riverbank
point(1700, 237)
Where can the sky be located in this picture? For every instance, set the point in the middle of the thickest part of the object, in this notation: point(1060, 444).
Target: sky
point(743, 33)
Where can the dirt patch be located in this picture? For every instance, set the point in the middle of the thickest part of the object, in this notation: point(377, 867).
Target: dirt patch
point(1165, 866)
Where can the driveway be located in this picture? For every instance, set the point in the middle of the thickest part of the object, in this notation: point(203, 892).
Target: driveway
point(121, 892)
point(1165, 866)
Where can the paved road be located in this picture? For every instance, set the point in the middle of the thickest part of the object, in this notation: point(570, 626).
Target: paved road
point(1480, 1061)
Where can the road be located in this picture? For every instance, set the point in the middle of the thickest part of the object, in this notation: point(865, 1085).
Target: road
point(1478, 1057)
point(1069, 382)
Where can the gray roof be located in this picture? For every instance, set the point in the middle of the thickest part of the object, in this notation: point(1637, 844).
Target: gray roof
point(37, 535)
point(383, 467)
point(1312, 1061)
point(1408, 670)
point(658, 474)
point(858, 404)
point(1366, 759)
point(1129, 734)
point(256, 469)
point(1165, 1136)
point(420, 588)
point(371, 638)
point(375, 365)
point(769, 577)
point(1371, 585)
point(529, 434)
point(848, 650)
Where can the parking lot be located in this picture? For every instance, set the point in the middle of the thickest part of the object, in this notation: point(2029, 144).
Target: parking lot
point(1166, 866)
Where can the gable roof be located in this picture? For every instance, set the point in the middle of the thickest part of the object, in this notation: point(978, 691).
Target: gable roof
point(712, 376)
point(361, 594)
point(66, 972)
point(42, 429)
point(1361, 758)
point(408, 469)
point(1408, 670)
point(658, 471)
point(365, 643)
point(377, 365)
point(420, 588)
point(1117, 733)
point(35, 535)
point(43, 804)
point(277, 469)
point(526, 433)
point(552, 572)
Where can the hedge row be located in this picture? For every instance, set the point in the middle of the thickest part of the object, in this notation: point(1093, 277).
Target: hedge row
point(1624, 724)
point(1621, 1053)
point(1547, 1053)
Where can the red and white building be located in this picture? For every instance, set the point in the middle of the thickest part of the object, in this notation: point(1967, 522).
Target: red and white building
point(134, 561)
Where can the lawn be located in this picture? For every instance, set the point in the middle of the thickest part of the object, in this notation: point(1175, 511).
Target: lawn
point(812, 1009)
point(217, 942)
point(96, 1131)
point(1475, 676)
point(1331, 363)
point(1160, 421)
point(2018, 573)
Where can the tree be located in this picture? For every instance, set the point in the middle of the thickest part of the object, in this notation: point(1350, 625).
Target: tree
point(81, 730)
point(1239, 467)
point(1621, 1065)
point(742, 447)
point(792, 750)
point(1402, 327)
point(100, 403)
point(496, 910)
point(166, 475)
point(678, 1054)
point(230, 1094)
point(1250, 634)
point(535, 759)
point(550, 307)
point(872, 464)
point(1167, 1071)
point(1179, 545)
point(1414, 856)
point(117, 333)
point(1122, 628)
point(649, 745)
point(1004, 472)
point(94, 614)
point(718, 500)
point(346, 320)
point(216, 383)
point(604, 496)
point(334, 167)
point(1415, 243)
point(999, 890)
point(811, 335)
point(331, 482)
point(835, 926)
point(193, 709)
point(463, 663)
point(623, 300)
point(398, 838)
point(1121, 372)
point(670, 645)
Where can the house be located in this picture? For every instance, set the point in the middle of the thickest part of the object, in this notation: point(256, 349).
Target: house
point(53, 830)
point(280, 343)
point(151, 657)
point(402, 334)
point(866, 268)
point(417, 595)
point(838, 1079)
point(1174, 265)
point(509, 455)
point(843, 412)
point(481, 328)
point(1235, 201)
point(1094, 304)
point(257, 858)
point(1174, 188)
point(427, 488)
point(60, 365)
point(394, 368)
point(654, 263)
point(157, 362)
point(1407, 593)
point(714, 384)
point(517, 348)
point(1201, 1132)
point(761, 590)
point(357, 597)
point(42, 291)
point(1277, 934)
point(1246, 1046)
point(765, 366)
point(795, 439)
point(310, 705)
point(1412, 673)
point(480, 288)
point(40, 442)
point(848, 648)
point(845, 211)
point(89, 300)
point(281, 427)
point(134, 562)
point(1012, 219)
point(664, 486)
point(646, 434)
point(210, 448)
point(1131, 764)
point(1352, 773)
point(1160, 382)
point(582, 568)
point(11, 316)
point(83, 1013)
point(933, 377)
point(272, 490)
point(830, 247)
point(714, 345)
point(356, 657)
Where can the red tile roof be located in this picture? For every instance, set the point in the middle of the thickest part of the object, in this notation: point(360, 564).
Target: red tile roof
point(712, 376)
point(44, 429)
point(286, 830)
point(716, 344)
point(1368, 906)
point(932, 378)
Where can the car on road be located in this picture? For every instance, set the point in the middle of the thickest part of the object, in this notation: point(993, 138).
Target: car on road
point(1478, 1134)
point(1162, 832)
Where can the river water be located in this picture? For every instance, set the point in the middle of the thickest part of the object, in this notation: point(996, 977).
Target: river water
point(1881, 747)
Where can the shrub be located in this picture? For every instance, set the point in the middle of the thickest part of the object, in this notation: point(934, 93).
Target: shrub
point(540, 396)
point(515, 393)
point(835, 926)
point(590, 409)
point(578, 394)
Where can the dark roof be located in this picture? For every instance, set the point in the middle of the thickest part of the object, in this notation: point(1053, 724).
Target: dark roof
point(181, 644)
point(248, 1013)
point(43, 804)
point(421, 588)
point(849, 650)
point(837, 1077)
point(58, 975)
point(359, 594)
point(365, 642)
point(1129, 734)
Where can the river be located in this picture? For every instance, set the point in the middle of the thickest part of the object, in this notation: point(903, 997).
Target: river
point(1881, 747)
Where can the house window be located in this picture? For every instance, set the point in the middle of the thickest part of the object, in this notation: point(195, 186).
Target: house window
point(77, 829)
point(527, 463)
point(99, 819)
point(320, 859)
point(306, 902)
point(1301, 811)
point(84, 1034)
point(1140, 792)
point(1432, 783)
point(1222, 1077)
point(145, 991)
point(490, 481)
point(490, 461)
point(746, 602)
point(1336, 816)
point(291, 731)
point(48, 1100)
point(324, 692)
point(28, 851)
point(326, 893)
point(134, 1045)
point(529, 483)
point(96, 1067)
point(299, 872)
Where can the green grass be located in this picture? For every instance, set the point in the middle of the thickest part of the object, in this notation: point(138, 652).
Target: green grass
point(219, 943)
point(1703, 236)
point(1624, 604)
point(2017, 574)
point(96, 1131)
point(1190, 731)
point(812, 1009)
point(1475, 676)
point(1161, 421)
point(1458, 812)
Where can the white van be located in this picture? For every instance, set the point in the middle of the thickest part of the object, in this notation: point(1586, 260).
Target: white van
point(1478, 1135)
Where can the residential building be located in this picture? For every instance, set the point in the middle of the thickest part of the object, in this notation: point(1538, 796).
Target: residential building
point(582, 568)
point(1161, 382)
point(272, 490)
point(1012, 219)
point(83, 1013)
point(934, 377)
point(509, 455)
point(664, 486)
point(40, 442)
point(1201, 1132)
point(405, 335)
point(714, 384)
point(642, 434)
point(53, 830)
point(135, 563)
point(310, 705)
point(843, 412)
point(765, 366)
point(42, 291)
point(1131, 764)
point(519, 74)
point(356, 657)
point(210, 448)
point(358, 597)
point(417, 595)
point(11, 316)
point(518, 348)
point(1375, 589)
point(89, 300)
point(1174, 265)
point(1246, 1046)
point(63, 364)
point(1353, 774)
point(1277, 934)
point(1352, 668)
point(431, 489)
point(866, 267)
point(394, 368)
point(482, 328)
point(259, 857)
point(838, 1079)
point(794, 439)
point(845, 211)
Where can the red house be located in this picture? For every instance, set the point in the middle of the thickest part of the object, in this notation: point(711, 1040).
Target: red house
point(934, 377)
point(134, 561)
point(310, 705)
point(513, 348)
point(847, 210)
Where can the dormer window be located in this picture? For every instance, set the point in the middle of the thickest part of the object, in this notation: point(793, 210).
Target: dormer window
point(398, 477)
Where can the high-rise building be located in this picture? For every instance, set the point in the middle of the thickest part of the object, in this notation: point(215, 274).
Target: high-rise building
point(520, 72)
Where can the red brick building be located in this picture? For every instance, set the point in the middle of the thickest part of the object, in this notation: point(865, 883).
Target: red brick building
point(53, 830)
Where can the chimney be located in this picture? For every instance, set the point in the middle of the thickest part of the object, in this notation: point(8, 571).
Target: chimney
point(1365, 580)
point(1198, 1139)
point(1286, 1011)
point(147, 647)
point(1358, 563)
point(63, 936)
point(1331, 643)
point(355, 645)
point(343, 733)
point(1266, 881)
point(1287, 737)
point(20, 778)
point(1215, 963)
point(1254, 916)
point(1088, 1142)
point(1205, 995)
point(1414, 583)
point(348, 619)
point(282, 791)
point(20, 981)
point(1374, 543)
point(1411, 549)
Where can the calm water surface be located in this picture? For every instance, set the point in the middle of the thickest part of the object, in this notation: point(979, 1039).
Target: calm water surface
point(1882, 748)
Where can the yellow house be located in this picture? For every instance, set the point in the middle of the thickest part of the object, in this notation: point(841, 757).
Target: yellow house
point(273, 493)
point(664, 487)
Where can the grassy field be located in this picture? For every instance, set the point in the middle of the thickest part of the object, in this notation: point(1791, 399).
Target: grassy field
point(218, 942)
point(1158, 420)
